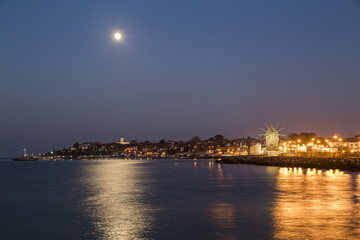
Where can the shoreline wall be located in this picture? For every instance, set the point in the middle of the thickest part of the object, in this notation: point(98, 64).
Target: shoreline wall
point(352, 164)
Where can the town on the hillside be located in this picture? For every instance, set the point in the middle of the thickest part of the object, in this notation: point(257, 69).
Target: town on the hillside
point(303, 144)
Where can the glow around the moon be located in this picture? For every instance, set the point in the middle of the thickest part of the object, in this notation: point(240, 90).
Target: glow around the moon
point(117, 36)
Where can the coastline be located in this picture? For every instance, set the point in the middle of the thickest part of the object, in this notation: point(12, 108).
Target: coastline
point(341, 163)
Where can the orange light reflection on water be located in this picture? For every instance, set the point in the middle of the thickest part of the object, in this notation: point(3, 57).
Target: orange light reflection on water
point(313, 204)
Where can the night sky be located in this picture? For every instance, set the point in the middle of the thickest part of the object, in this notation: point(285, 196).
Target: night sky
point(183, 68)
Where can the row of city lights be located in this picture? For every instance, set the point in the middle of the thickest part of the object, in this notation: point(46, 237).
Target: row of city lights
point(315, 144)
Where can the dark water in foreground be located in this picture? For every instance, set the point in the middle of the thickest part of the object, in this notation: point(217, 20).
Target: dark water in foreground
point(175, 199)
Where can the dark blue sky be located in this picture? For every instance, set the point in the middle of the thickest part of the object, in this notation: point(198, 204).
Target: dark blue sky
point(184, 68)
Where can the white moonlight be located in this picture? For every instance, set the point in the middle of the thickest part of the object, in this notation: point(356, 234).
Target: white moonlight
point(117, 36)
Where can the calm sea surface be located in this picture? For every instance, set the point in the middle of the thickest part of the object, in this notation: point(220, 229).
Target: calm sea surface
point(175, 199)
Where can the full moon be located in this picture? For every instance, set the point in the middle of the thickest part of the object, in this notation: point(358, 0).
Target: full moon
point(117, 36)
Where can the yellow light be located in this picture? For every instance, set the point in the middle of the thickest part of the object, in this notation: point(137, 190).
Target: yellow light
point(117, 36)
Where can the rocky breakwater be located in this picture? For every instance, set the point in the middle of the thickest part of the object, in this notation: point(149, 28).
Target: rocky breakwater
point(345, 163)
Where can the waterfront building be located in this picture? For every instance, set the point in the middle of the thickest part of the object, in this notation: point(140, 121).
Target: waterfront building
point(272, 140)
point(347, 146)
point(256, 149)
point(85, 145)
point(122, 141)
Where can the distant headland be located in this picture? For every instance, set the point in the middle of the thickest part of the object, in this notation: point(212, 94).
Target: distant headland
point(294, 145)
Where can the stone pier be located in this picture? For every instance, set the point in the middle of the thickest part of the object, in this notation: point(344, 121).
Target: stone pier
point(346, 163)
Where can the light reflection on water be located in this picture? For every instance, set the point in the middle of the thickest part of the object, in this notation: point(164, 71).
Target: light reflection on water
point(117, 206)
point(223, 216)
point(175, 199)
point(307, 203)
point(129, 200)
point(315, 204)
point(222, 213)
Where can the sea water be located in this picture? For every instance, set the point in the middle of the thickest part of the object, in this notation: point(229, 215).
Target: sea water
point(175, 199)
